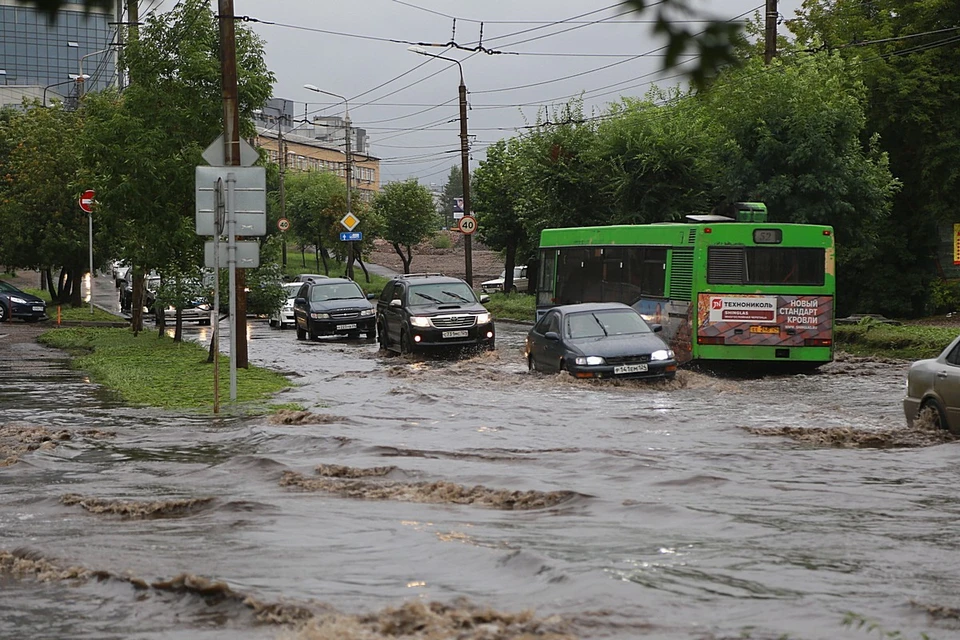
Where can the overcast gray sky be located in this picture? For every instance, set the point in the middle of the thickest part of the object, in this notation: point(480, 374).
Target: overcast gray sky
point(408, 102)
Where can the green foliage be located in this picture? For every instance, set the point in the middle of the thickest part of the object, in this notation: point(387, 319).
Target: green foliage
point(338, 270)
point(909, 342)
point(408, 216)
point(518, 307)
point(156, 371)
point(451, 190)
point(441, 241)
point(944, 296)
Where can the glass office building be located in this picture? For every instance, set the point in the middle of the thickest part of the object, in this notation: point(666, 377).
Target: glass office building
point(38, 54)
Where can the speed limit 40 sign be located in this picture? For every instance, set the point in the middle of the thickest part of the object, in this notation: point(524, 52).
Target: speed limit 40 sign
point(467, 225)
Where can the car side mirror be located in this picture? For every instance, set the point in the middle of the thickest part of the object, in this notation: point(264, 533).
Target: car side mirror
point(299, 301)
point(484, 299)
point(552, 335)
point(396, 303)
point(656, 327)
point(371, 296)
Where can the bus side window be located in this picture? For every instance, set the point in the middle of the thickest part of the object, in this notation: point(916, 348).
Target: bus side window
point(654, 272)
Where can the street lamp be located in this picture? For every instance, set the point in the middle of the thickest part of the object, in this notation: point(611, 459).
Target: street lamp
point(282, 156)
point(349, 167)
point(464, 160)
point(55, 84)
point(81, 77)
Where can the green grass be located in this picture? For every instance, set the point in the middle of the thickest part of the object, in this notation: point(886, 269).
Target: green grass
point(515, 306)
point(909, 342)
point(337, 270)
point(73, 314)
point(158, 372)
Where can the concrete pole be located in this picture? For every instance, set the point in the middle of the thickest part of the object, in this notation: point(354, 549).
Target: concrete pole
point(465, 170)
point(349, 168)
point(283, 197)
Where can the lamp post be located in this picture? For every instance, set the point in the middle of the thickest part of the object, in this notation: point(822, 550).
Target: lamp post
point(282, 157)
point(349, 167)
point(55, 84)
point(81, 77)
point(464, 160)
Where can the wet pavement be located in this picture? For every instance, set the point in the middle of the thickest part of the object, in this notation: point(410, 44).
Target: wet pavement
point(410, 495)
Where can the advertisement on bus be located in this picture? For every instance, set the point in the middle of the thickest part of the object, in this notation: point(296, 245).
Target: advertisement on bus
point(765, 319)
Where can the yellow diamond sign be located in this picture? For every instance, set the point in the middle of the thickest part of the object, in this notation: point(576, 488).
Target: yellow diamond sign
point(349, 221)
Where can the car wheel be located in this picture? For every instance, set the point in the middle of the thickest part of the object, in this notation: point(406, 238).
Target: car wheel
point(406, 344)
point(514, 289)
point(301, 334)
point(273, 323)
point(932, 413)
point(3, 313)
point(382, 337)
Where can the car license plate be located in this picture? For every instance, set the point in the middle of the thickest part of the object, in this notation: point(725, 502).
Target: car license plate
point(629, 368)
point(757, 328)
point(463, 333)
point(38, 308)
point(344, 327)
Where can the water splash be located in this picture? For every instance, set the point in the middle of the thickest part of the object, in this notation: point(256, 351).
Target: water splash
point(137, 510)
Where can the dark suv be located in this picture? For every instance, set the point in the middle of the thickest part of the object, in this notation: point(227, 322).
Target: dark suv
point(333, 306)
point(422, 310)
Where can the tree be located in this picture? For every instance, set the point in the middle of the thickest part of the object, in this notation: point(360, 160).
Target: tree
point(43, 224)
point(910, 68)
point(406, 209)
point(497, 188)
point(452, 190)
point(141, 147)
point(316, 201)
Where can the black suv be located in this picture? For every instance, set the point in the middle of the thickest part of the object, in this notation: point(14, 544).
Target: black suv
point(422, 310)
point(333, 306)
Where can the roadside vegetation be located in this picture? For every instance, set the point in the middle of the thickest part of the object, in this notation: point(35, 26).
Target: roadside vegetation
point(70, 313)
point(156, 371)
point(307, 261)
point(906, 342)
point(519, 307)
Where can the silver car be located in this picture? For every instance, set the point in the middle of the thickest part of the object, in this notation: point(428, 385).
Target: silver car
point(933, 389)
point(285, 316)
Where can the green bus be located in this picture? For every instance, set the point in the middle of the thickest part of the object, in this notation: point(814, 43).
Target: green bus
point(723, 289)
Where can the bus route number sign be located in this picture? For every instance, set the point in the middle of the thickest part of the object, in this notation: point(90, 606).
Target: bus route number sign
point(467, 225)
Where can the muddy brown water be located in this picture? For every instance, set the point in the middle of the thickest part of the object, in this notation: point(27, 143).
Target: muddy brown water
point(707, 508)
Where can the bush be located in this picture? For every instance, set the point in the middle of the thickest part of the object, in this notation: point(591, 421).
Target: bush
point(944, 296)
point(441, 241)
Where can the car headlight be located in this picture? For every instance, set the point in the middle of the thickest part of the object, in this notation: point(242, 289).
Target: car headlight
point(320, 316)
point(483, 318)
point(419, 321)
point(18, 300)
point(662, 354)
point(366, 313)
point(590, 360)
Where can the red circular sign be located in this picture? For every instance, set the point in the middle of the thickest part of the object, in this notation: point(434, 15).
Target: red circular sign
point(283, 224)
point(86, 200)
point(467, 224)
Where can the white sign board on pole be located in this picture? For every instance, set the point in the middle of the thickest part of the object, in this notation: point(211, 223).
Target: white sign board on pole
point(248, 254)
point(216, 156)
point(250, 195)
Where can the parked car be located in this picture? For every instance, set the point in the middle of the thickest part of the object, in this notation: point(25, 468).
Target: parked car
point(311, 277)
point(520, 282)
point(417, 311)
point(599, 340)
point(933, 389)
point(151, 284)
point(15, 303)
point(285, 315)
point(333, 306)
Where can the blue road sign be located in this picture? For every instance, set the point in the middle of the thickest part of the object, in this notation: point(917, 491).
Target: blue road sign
point(351, 236)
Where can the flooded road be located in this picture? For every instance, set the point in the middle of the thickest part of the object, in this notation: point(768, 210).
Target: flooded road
point(701, 509)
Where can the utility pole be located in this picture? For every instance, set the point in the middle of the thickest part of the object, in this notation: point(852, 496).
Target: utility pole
point(283, 198)
point(465, 170)
point(349, 168)
point(770, 32)
point(231, 154)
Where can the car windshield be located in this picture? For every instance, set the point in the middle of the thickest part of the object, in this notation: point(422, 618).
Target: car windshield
point(441, 293)
point(340, 291)
point(9, 288)
point(600, 324)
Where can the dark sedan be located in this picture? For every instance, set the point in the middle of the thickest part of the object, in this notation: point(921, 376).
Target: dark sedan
point(333, 306)
point(15, 303)
point(599, 340)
